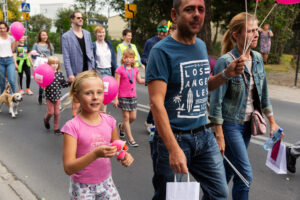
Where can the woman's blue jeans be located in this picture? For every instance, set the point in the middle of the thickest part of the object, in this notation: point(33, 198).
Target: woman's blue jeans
point(237, 138)
point(7, 66)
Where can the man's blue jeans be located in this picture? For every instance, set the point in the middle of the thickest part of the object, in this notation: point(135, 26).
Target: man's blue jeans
point(7, 66)
point(204, 162)
point(237, 138)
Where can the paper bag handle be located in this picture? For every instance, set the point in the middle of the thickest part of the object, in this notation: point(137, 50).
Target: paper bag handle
point(188, 177)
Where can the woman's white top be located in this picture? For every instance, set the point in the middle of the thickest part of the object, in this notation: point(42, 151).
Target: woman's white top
point(250, 100)
point(103, 56)
point(5, 47)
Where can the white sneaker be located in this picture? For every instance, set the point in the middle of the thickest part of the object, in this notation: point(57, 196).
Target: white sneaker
point(148, 126)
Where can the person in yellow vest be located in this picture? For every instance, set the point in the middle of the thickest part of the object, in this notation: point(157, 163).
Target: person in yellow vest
point(127, 36)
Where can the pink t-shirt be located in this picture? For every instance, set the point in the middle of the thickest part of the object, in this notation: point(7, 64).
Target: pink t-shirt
point(127, 89)
point(88, 138)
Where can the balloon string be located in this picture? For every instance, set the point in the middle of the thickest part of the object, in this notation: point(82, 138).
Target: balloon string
point(255, 9)
point(249, 43)
point(245, 41)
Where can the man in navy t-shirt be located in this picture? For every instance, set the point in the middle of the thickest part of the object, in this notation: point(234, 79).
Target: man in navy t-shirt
point(178, 82)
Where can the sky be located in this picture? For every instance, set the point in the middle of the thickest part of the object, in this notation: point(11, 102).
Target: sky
point(34, 6)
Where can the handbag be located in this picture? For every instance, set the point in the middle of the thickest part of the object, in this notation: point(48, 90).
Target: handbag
point(258, 122)
point(183, 190)
point(276, 158)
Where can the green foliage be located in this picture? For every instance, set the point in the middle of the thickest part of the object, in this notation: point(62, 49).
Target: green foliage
point(63, 22)
point(281, 21)
point(149, 14)
point(14, 11)
point(39, 22)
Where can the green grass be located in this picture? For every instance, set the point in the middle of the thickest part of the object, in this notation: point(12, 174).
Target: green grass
point(284, 66)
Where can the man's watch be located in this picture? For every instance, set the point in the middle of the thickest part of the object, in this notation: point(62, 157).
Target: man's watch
point(224, 76)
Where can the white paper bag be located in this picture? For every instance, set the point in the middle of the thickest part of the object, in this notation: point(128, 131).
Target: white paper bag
point(39, 60)
point(183, 190)
point(278, 165)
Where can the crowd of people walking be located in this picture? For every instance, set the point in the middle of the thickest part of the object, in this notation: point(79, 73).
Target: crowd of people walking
point(179, 81)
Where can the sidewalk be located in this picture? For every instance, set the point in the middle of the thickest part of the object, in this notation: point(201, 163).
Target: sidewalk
point(13, 189)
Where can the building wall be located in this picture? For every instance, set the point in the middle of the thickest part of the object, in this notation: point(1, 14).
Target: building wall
point(115, 27)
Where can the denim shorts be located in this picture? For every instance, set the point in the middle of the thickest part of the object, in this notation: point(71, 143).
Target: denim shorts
point(104, 71)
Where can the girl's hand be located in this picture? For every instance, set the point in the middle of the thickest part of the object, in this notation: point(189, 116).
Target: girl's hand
point(128, 160)
point(116, 103)
point(105, 151)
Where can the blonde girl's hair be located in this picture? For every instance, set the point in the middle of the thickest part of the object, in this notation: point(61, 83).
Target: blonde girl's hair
point(127, 52)
point(53, 60)
point(75, 86)
point(237, 24)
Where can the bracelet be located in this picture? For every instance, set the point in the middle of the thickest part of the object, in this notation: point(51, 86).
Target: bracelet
point(224, 76)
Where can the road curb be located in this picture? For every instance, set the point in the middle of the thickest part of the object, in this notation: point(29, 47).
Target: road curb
point(12, 188)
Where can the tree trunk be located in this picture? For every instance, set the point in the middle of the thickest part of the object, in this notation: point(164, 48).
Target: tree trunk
point(216, 34)
point(205, 32)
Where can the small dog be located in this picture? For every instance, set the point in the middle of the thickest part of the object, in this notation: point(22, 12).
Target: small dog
point(11, 100)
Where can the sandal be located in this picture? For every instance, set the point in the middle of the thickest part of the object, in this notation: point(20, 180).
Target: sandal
point(133, 143)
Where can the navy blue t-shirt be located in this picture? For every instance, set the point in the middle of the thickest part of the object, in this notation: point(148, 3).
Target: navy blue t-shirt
point(185, 69)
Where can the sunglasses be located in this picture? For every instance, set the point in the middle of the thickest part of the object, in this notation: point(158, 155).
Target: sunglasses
point(79, 17)
point(162, 28)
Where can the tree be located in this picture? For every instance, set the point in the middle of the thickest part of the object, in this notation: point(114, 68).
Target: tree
point(62, 22)
point(205, 32)
point(14, 13)
point(39, 22)
point(88, 7)
point(281, 21)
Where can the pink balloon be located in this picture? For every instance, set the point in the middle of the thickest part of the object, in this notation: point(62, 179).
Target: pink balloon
point(288, 1)
point(110, 89)
point(43, 75)
point(17, 30)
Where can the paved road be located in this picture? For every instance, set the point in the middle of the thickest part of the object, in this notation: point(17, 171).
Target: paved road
point(34, 155)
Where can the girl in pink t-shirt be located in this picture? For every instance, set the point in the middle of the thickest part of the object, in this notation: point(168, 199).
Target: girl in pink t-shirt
point(127, 76)
point(87, 139)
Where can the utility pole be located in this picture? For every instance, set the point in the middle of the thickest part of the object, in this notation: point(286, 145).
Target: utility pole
point(4, 8)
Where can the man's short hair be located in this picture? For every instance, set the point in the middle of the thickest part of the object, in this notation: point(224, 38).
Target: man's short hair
point(176, 5)
point(124, 33)
point(72, 15)
point(162, 23)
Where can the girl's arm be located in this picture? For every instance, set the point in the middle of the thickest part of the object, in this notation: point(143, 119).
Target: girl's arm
point(116, 102)
point(15, 60)
point(73, 164)
point(30, 59)
point(139, 79)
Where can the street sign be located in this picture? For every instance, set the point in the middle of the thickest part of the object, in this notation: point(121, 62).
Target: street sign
point(130, 10)
point(25, 7)
point(26, 15)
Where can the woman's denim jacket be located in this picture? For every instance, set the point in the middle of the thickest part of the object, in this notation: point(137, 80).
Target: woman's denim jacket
point(229, 101)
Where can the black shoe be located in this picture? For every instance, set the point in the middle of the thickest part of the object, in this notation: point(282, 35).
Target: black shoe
point(121, 133)
point(290, 161)
point(46, 124)
point(57, 132)
point(40, 99)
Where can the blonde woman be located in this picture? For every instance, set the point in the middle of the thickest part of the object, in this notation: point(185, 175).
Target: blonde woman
point(232, 104)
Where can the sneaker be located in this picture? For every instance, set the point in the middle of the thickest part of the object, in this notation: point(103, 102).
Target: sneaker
point(121, 133)
point(29, 92)
point(57, 132)
point(290, 161)
point(46, 124)
point(21, 91)
point(40, 99)
point(133, 143)
point(148, 126)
